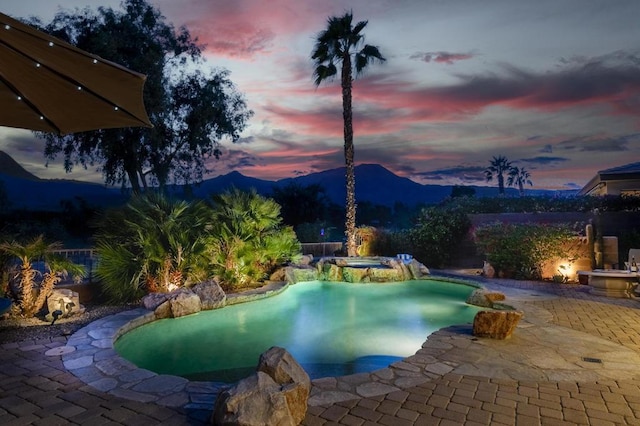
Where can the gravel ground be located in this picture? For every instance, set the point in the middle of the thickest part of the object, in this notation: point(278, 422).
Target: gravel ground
point(21, 329)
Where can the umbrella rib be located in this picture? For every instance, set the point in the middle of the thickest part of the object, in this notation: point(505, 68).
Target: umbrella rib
point(21, 98)
point(66, 78)
point(16, 26)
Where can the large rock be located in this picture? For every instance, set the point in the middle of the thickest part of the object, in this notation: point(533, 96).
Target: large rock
point(64, 300)
point(283, 368)
point(211, 295)
point(275, 395)
point(385, 275)
point(185, 303)
point(355, 275)
point(483, 298)
point(330, 271)
point(418, 270)
point(305, 260)
point(163, 310)
point(152, 300)
point(495, 324)
point(254, 401)
point(298, 274)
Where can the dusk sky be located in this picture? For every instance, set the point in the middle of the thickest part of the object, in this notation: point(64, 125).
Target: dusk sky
point(553, 85)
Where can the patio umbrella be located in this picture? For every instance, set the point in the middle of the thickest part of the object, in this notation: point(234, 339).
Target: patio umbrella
point(49, 85)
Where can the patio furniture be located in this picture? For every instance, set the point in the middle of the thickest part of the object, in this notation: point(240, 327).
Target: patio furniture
point(634, 254)
point(611, 282)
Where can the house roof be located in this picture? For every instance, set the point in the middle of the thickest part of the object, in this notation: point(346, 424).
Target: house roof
point(628, 171)
point(620, 172)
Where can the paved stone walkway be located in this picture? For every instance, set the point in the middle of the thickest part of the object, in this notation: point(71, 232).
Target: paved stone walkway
point(600, 393)
point(573, 360)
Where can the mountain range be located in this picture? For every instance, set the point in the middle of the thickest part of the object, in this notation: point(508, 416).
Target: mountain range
point(374, 184)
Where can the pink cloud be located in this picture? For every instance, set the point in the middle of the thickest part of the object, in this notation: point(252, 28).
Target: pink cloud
point(243, 28)
point(441, 57)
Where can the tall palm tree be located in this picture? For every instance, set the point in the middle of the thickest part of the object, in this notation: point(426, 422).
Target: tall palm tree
point(519, 176)
point(339, 44)
point(497, 167)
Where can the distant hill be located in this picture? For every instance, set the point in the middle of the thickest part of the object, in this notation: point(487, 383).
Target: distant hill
point(26, 191)
point(237, 180)
point(374, 184)
point(10, 167)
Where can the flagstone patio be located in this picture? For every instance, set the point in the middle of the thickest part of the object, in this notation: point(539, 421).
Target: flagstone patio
point(573, 360)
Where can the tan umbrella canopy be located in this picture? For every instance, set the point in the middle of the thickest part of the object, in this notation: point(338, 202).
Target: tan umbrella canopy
point(49, 85)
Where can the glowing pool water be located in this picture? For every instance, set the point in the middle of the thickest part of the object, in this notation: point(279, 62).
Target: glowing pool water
point(332, 329)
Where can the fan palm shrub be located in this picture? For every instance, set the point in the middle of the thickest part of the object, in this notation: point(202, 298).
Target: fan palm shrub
point(246, 238)
point(29, 301)
point(154, 243)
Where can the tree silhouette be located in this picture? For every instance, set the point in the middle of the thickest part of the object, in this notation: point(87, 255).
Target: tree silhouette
point(192, 110)
point(498, 166)
point(519, 176)
point(339, 45)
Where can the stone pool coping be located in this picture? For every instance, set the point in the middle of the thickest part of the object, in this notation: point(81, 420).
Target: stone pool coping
point(95, 362)
point(452, 349)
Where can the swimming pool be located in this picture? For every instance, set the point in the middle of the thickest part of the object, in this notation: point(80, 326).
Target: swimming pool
point(332, 329)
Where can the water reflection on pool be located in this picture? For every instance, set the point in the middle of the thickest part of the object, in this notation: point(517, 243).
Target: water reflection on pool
point(331, 329)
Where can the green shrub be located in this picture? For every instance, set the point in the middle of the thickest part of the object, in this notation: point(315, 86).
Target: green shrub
point(438, 234)
point(153, 243)
point(246, 239)
point(390, 242)
point(474, 205)
point(156, 244)
point(521, 250)
point(433, 241)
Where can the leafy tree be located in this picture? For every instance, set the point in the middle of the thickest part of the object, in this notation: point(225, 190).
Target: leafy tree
point(498, 166)
point(438, 233)
point(519, 176)
point(339, 45)
point(192, 111)
point(56, 267)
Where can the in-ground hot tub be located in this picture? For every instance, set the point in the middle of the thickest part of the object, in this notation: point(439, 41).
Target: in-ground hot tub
point(370, 269)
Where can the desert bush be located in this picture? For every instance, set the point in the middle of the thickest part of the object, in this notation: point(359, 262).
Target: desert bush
point(521, 250)
point(438, 234)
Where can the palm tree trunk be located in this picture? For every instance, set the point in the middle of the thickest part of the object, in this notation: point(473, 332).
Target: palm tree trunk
point(500, 184)
point(350, 220)
point(27, 276)
point(521, 188)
